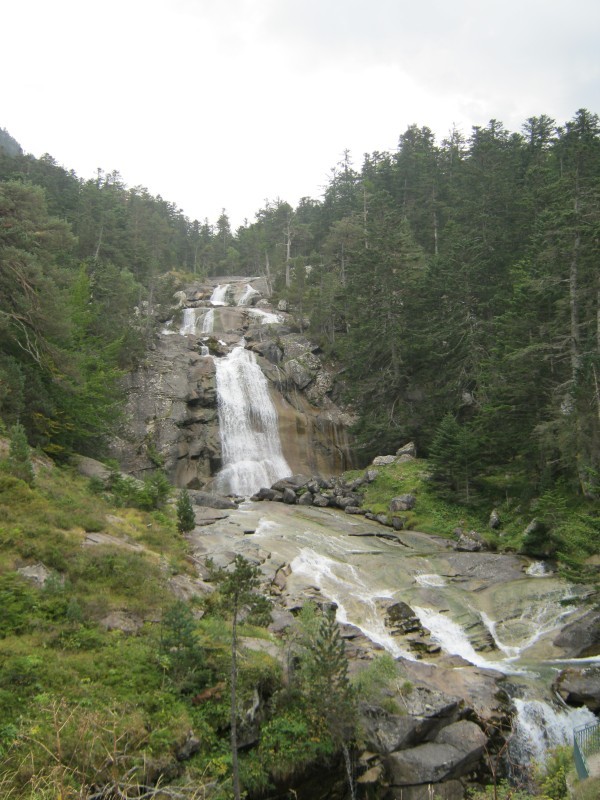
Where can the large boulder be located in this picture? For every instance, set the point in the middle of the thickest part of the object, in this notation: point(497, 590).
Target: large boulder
point(581, 639)
point(404, 502)
point(580, 687)
point(424, 713)
point(456, 751)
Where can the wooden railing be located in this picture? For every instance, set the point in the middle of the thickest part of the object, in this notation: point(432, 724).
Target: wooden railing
point(586, 743)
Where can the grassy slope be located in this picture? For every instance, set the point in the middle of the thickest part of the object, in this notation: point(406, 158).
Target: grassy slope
point(79, 704)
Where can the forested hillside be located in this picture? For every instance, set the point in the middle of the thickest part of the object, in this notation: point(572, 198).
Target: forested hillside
point(457, 282)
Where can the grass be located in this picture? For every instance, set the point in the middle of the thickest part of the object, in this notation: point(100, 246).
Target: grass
point(76, 697)
point(431, 513)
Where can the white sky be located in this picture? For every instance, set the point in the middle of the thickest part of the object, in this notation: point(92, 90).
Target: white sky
point(227, 103)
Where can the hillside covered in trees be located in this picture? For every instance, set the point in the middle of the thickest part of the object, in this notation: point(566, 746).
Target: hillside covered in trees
point(457, 283)
point(454, 289)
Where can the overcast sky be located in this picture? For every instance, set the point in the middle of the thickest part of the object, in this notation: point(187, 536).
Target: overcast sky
point(227, 103)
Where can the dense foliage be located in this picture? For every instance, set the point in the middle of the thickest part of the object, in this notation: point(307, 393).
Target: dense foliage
point(455, 278)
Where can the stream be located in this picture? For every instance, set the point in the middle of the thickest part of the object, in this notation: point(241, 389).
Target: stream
point(486, 611)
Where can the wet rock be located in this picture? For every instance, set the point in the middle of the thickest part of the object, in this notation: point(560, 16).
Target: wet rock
point(581, 638)
point(580, 687)
point(401, 615)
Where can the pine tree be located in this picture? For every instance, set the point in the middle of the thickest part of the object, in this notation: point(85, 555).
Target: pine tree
point(186, 519)
point(239, 589)
point(19, 456)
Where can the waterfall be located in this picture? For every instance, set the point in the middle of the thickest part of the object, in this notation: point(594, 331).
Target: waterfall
point(248, 293)
point(219, 295)
point(189, 322)
point(265, 317)
point(356, 603)
point(208, 323)
point(252, 455)
point(539, 727)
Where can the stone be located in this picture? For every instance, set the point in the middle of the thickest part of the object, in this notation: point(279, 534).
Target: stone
point(189, 748)
point(370, 475)
point(36, 573)
point(581, 638)
point(320, 500)
point(455, 752)
point(383, 461)
point(409, 449)
point(397, 523)
point(470, 542)
point(289, 497)
point(305, 499)
point(494, 521)
point(353, 510)
point(90, 468)
point(212, 500)
point(404, 502)
point(121, 621)
point(298, 373)
point(580, 687)
point(290, 482)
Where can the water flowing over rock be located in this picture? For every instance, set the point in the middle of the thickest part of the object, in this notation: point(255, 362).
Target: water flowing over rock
point(251, 447)
point(172, 414)
point(246, 406)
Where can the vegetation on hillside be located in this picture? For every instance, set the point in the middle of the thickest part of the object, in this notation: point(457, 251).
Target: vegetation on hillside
point(110, 682)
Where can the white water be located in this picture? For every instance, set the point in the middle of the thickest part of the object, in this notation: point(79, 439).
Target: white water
point(208, 323)
point(252, 455)
point(356, 602)
point(188, 325)
point(539, 727)
point(248, 293)
point(265, 317)
point(219, 295)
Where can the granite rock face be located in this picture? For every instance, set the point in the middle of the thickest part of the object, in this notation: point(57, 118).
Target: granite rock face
point(172, 412)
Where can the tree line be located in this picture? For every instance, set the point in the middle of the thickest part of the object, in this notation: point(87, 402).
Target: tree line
point(457, 282)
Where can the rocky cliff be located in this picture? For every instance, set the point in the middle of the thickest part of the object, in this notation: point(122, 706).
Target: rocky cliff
point(172, 410)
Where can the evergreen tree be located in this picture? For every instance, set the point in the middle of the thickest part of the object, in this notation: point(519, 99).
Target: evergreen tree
point(19, 456)
point(186, 519)
point(239, 589)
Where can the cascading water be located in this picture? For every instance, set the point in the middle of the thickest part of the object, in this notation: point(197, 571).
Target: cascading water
point(265, 317)
point(539, 728)
point(252, 455)
point(219, 295)
point(188, 325)
point(248, 293)
point(208, 323)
